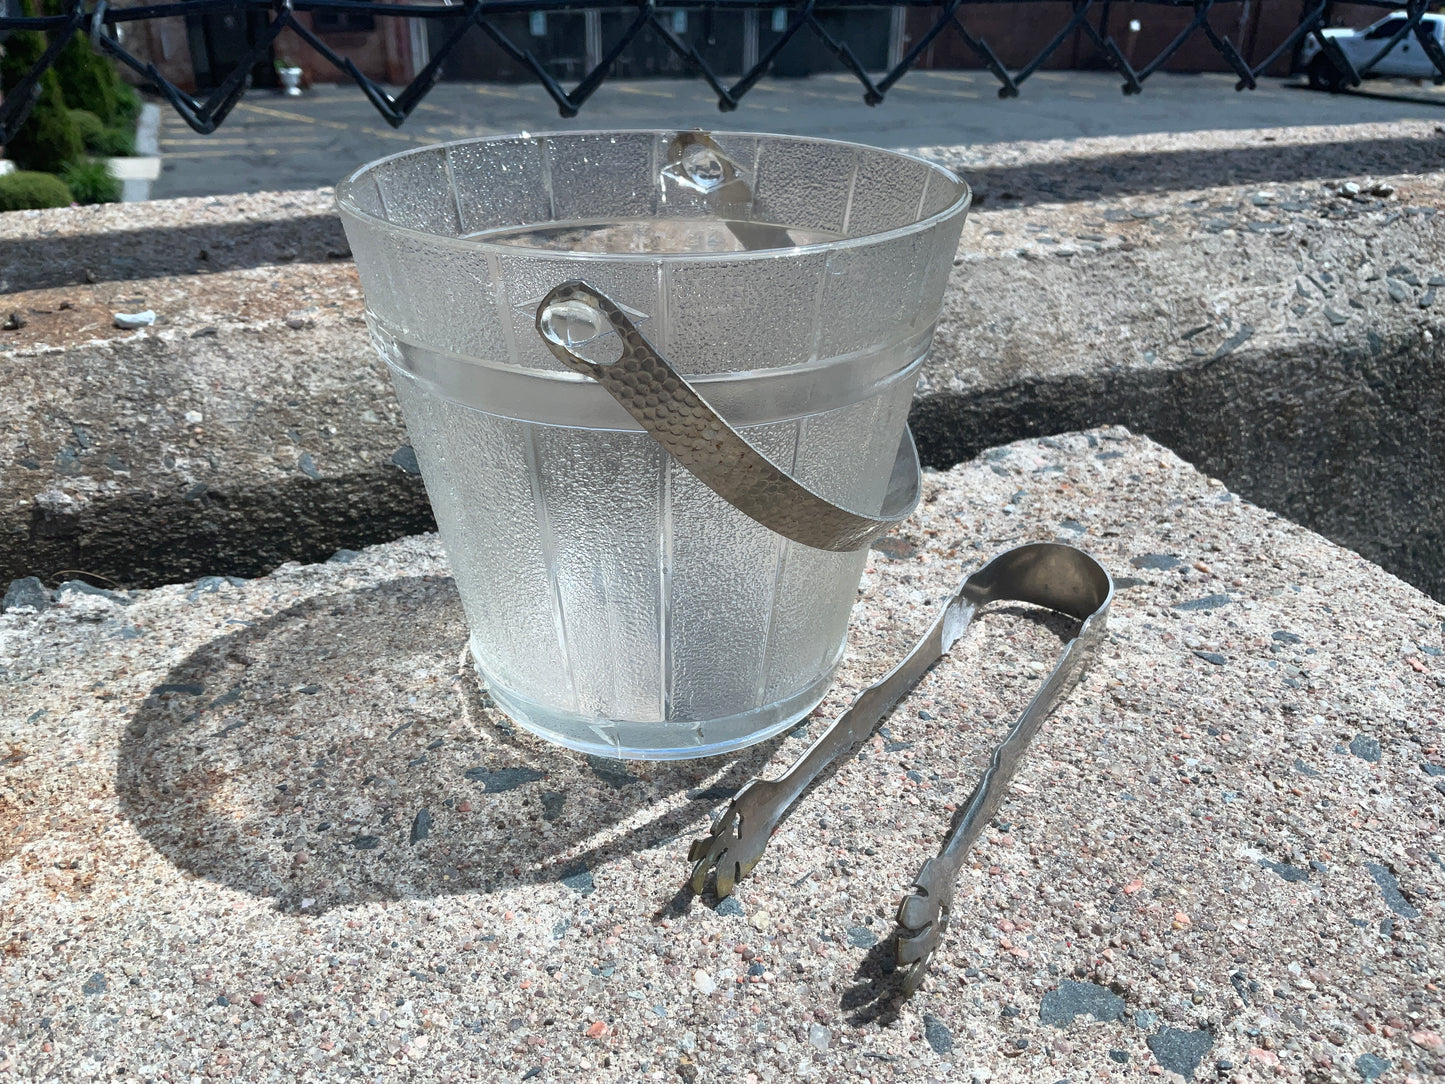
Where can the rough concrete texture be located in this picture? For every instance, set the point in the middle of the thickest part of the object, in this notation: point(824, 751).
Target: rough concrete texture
point(1059, 170)
point(118, 242)
point(249, 427)
point(1279, 333)
point(1285, 337)
point(272, 830)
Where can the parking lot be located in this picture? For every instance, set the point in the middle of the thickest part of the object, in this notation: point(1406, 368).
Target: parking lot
point(273, 142)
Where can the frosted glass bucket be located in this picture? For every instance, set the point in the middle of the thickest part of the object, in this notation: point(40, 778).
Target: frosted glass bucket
point(616, 604)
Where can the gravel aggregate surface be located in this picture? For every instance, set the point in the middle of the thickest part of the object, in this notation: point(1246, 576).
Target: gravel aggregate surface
point(1030, 171)
point(272, 829)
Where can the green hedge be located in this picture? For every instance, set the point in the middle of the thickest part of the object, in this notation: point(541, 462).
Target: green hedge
point(107, 142)
point(88, 78)
point(127, 104)
point(92, 182)
point(48, 139)
point(24, 191)
point(88, 124)
point(114, 143)
point(80, 89)
point(87, 81)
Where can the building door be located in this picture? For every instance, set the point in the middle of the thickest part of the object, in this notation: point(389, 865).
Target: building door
point(220, 40)
point(716, 35)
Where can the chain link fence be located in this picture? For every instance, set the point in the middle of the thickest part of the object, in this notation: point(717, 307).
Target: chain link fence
point(98, 21)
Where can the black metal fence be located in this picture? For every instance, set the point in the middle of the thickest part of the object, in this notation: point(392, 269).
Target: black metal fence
point(97, 20)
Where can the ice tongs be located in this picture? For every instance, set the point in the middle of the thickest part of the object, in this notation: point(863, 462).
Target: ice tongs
point(1048, 574)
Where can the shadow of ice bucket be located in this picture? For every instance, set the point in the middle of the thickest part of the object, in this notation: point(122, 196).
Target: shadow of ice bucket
point(281, 760)
point(658, 385)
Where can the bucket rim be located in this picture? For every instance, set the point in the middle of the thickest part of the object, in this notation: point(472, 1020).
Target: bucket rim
point(348, 207)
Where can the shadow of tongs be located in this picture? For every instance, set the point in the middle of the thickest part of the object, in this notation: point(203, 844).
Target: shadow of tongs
point(1048, 574)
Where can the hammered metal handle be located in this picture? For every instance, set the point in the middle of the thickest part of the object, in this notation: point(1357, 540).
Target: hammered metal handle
point(662, 401)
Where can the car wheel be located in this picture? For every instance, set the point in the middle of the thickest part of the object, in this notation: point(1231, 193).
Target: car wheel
point(1323, 75)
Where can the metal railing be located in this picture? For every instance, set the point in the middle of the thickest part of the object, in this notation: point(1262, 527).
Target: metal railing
point(97, 20)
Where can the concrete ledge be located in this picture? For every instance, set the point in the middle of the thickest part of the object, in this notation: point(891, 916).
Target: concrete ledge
point(1283, 333)
point(272, 827)
point(1072, 170)
point(1285, 337)
point(231, 448)
point(136, 168)
point(116, 242)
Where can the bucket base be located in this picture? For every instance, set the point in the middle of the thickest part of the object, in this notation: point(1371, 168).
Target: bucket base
point(634, 740)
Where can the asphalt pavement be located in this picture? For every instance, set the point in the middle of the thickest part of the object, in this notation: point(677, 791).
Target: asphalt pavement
point(272, 142)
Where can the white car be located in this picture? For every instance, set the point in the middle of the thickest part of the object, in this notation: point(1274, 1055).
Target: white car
point(1407, 58)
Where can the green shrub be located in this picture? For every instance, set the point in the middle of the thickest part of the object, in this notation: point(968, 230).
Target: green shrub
point(87, 81)
point(24, 191)
point(48, 138)
point(114, 143)
point(88, 125)
point(127, 105)
point(100, 139)
point(88, 78)
point(92, 182)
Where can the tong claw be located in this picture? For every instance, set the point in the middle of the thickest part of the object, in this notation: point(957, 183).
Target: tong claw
point(738, 837)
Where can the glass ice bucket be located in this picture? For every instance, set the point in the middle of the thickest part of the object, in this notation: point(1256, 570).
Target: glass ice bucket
point(620, 602)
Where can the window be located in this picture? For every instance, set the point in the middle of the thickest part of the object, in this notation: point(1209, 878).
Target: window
point(1387, 29)
point(336, 21)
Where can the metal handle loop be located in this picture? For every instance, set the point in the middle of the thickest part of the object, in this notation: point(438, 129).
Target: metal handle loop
point(662, 401)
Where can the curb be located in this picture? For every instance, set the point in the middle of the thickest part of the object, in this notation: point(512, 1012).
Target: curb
point(139, 171)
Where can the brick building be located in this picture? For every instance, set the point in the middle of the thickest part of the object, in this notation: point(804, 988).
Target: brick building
point(198, 51)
